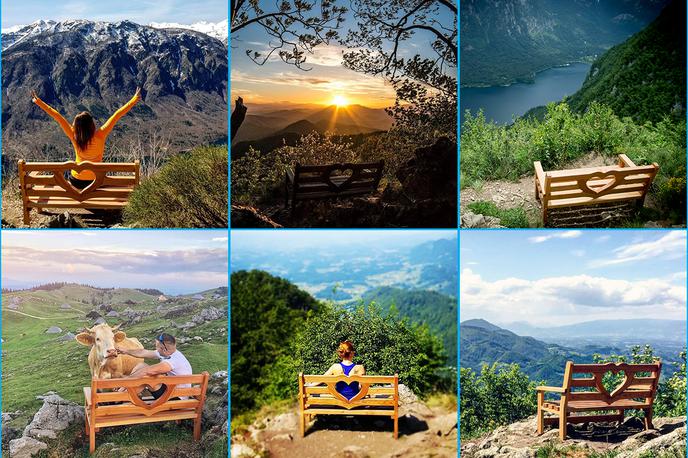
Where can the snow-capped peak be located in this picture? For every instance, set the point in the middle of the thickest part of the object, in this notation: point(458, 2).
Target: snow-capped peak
point(219, 30)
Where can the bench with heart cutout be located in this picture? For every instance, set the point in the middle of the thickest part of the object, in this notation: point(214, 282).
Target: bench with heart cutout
point(43, 185)
point(590, 186)
point(105, 406)
point(378, 395)
point(583, 392)
point(331, 181)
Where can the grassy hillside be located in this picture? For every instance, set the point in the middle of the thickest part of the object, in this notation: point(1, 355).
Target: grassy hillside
point(35, 362)
point(644, 77)
point(436, 310)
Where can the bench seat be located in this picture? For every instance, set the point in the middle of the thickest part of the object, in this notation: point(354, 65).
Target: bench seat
point(588, 406)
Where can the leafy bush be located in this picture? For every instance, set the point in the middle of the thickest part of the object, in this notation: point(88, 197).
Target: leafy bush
point(188, 191)
point(498, 396)
point(510, 217)
point(490, 151)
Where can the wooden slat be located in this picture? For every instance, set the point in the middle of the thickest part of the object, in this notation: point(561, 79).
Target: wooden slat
point(573, 184)
point(582, 406)
point(349, 379)
point(603, 368)
point(331, 401)
point(575, 192)
point(119, 420)
point(342, 166)
point(167, 379)
point(557, 175)
point(43, 202)
point(93, 166)
point(56, 191)
point(320, 195)
point(131, 409)
point(587, 200)
point(583, 382)
point(372, 391)
point(389, 413)
point(112, 181)
point(118, 396)
point(308, 178)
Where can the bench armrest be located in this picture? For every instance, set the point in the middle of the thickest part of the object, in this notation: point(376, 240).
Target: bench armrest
point(624, 161)
point(540, 174)
point(551, 389)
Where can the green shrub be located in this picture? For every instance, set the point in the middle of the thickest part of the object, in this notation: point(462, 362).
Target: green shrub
point(510, 217)
point(500, 395)
point(188, 191)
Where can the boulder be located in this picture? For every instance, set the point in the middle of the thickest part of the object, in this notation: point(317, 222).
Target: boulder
point(197, 297)
point(105, 307)
point(113, 314)
point(93, 314)
point(26, 447)
point(209, 314)
point(471, 220)
point(56, 414)
point(242, 451)
point(67, 337)
point(353, 451)
point(99, 320)
point(8, 434)
point(65, 306)
point(13, 306)
point(181, 310)
point(53, 330)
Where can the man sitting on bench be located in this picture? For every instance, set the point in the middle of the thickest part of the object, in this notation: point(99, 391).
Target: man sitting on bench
point(172, 362)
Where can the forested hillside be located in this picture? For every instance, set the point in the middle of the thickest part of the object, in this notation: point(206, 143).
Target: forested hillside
point(645, 77)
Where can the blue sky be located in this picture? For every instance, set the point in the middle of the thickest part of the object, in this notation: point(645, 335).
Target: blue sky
point(316, 240)
point(565, 277)
point(276, 82)
point(16, 12)
point(175, 262)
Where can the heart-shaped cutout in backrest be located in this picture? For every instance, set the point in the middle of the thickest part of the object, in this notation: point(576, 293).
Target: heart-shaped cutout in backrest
point(79, 194)
point(135, 399)
point(619, 388)
point(339, 176)
point(332, 388)
point(609, 179)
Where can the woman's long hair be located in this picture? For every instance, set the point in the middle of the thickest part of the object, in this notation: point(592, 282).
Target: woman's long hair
point(346, 350)
point(84, 129)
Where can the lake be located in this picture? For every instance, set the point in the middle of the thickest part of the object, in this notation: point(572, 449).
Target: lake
point(502, 103)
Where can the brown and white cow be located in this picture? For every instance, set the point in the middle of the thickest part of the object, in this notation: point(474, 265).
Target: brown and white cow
point(103, 359)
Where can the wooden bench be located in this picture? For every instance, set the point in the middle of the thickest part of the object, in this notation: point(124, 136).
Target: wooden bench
point(43, 185)
point(379, 395)
point(105, 407)
point(589, 186)
point(586, 393)
point(331, 180)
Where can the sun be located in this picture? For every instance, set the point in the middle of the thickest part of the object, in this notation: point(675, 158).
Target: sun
point(339, 100)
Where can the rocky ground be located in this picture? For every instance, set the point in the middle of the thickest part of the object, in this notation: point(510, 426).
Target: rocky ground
point(628, 440)
point(423, 431)
point(423, 195)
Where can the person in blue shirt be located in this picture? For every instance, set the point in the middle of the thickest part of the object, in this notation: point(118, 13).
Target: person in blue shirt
point(345, 351)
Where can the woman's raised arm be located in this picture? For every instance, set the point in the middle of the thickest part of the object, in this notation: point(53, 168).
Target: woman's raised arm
point(107, 127)
point(53, 113)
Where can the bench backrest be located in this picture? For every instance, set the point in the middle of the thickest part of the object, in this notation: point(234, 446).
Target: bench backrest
point(336, 178)
point(114, 180)
point(592, 184)
point(583, 382)
point(376, 390)
point(191, 397)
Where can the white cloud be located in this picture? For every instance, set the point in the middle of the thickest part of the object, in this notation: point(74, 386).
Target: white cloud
point(671, 245)
point(578, 253)
point(556, 235)
point(219, 239)
point(565, 300)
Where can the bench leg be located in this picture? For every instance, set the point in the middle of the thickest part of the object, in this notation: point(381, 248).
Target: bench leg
point(562, 425)
point(396, 427)
point(540, 413)
point(91, 439)
point(197, 429)
point(622, 415)
point(648, 418)
point(27, 216)
point(537, 193)
point(302, 424)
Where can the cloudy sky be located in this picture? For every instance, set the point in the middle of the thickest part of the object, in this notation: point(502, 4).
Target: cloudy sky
point(16, 12)
point(565, 277)
point(176, 262)
point(276, 82)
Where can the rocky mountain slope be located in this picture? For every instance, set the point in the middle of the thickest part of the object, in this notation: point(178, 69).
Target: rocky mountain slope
point(503, 41)
point(626, 440)
point(84, 65)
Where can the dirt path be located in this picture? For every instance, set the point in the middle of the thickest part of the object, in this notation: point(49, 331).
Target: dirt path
point(521, 193)
point(358, 437)
point(25, 314)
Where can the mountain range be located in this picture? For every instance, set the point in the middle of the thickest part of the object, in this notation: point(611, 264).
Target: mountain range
point(504, 41)
point(270, 128)
point(485, 343)
point(81, 65)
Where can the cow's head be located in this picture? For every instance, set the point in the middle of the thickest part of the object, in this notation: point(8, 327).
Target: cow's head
point(103, 338)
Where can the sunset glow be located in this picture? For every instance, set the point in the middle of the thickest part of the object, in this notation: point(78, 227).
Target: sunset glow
point(339, 100)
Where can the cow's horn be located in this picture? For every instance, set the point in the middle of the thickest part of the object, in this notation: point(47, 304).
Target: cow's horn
point(117, 327)
point(86, 330)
